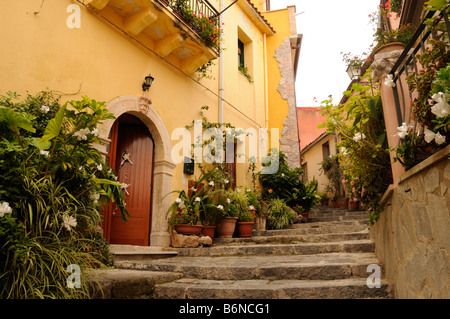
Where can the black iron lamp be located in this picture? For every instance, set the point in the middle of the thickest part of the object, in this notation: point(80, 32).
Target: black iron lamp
point(148, 82)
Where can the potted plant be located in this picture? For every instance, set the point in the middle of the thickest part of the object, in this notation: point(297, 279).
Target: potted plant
point(227, 224)
point(210, 219)
point(324, 199)
point(245, 224)
point(254, 205)
point(306, 196)
point(279, 214)
point(186, 221)
point(186, 211)
point(229, 204)
point(334, 201)
point(299, 210)
point(342, 201)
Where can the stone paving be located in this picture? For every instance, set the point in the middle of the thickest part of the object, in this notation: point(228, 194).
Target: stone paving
point(324, 258)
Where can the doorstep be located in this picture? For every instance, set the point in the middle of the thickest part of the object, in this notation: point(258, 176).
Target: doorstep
point(132, 252)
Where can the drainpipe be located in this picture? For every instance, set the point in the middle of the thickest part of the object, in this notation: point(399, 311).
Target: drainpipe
point(266, 80)
point(221, 68)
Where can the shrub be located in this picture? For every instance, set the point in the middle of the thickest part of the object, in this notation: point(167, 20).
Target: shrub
point(55, 183)
point(280, 216)
point(281, 183)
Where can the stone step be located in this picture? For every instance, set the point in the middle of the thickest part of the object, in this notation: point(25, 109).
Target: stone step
point(337, 217)
point(349, 246)
point(300, 267)
point(316, 228)
point(128, 283)
point(339, 223)
point(283, 238)
point(187, 288)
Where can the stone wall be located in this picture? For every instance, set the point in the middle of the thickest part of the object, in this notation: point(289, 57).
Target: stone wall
point(289, 142)
point(412, 236)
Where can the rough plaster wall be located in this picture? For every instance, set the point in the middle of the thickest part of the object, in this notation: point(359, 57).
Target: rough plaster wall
point(289, 142)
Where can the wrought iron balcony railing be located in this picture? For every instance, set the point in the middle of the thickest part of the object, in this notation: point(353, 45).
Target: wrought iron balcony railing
point(200, 16)
point(407, 60)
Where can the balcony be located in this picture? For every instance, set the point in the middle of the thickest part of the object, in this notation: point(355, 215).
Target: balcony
point(184, 32)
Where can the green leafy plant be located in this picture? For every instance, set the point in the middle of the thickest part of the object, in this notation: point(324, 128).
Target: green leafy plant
point(281, 183)
point(245, 216)
point(244, 71)
point(279, 214)
point(364, 152)
point(194, 204)
point(306, 196)
point(237, 198)
point(55, 183)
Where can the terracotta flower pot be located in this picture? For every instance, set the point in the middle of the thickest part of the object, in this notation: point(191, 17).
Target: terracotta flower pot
point(187, 229)
point(305, 215)
point(354, 204)
point(393, 46)
point(343, 202)
point(226, 226)
point(209, 231)
point(245, 229)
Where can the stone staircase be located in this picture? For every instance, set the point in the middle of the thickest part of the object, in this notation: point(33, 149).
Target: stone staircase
point(327, 257)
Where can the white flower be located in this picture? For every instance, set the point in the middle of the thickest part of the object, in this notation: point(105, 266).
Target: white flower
point(45, 153)
point(228, 201)
point(178, 200)
point(402, 130)
point(197, 199)
point(248, 190)
point(441, 108)
point(226, 181)
point(282, 174)
point(45, 108)
point(5, 209)
point(389, 82)
point(193, 189)
point(251, 207)
point(95, 197)
point(344, 151)
point(99, 167)
point(82, 134)
point(211, 183)
point(358, 137)
point(94, 132)
point(69, 221)
point(220, 207)
point(439, 139)
point(429, 136)
point(237, 189)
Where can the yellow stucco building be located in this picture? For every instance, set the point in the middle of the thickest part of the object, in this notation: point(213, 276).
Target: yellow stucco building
point(104, 49)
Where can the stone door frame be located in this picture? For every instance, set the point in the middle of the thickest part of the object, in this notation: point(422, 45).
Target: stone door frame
point(163, 164)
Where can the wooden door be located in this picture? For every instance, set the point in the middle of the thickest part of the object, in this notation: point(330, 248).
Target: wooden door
point(133, 162)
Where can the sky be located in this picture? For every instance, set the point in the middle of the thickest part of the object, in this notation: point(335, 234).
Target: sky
point(329, 27)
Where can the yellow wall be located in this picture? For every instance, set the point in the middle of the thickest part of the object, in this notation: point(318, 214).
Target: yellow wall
point(40, 52)
point(278, 107)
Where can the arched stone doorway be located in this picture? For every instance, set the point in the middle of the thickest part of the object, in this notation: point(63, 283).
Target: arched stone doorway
point(163, 166)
